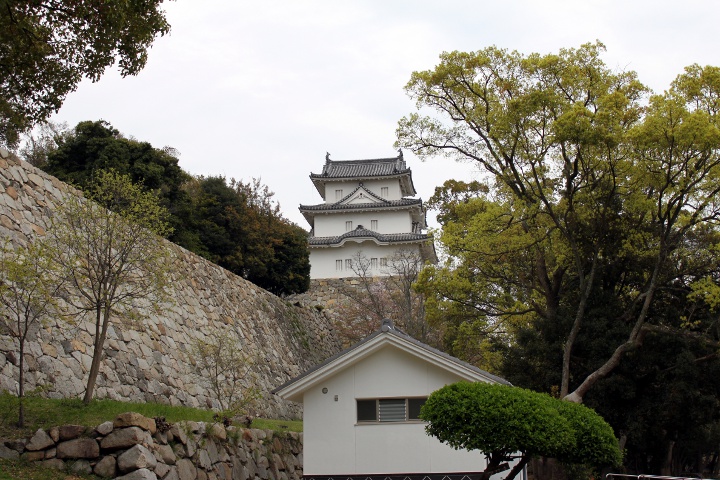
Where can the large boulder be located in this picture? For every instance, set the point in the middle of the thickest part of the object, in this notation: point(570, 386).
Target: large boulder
point(136, 458)
point(78, 448)
point(142, 474)
point(125, 438)
point(69, 432)
point(39, 441)
point(132, 419)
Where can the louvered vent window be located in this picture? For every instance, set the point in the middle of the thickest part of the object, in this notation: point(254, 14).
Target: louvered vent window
point(386, 410)
point(392, 410)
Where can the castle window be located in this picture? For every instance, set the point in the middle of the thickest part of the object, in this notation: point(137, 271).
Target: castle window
point(383, 262)
point(374, 225)
point(338, 194)
point(348, 264)
point(384, 192)
point(338, 265)
point(348, 225)
point(374, 263)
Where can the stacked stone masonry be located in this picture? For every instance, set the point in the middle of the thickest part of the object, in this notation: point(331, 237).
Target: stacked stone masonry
point(153, 361)
point(133, 448)
point(329, 294)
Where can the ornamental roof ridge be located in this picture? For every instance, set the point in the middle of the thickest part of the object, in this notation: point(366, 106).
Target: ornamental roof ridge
point(372, 167)
point(361, 186)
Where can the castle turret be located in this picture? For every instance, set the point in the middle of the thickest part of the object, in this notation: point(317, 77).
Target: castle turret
point(367, 214)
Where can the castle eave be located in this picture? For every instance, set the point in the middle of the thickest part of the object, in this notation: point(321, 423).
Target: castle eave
point(360, 235)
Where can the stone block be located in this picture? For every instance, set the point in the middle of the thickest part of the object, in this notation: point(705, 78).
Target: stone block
point(69, 432)
point(142, 474)
point(39, 441)
point(8, 453)
point(54, 463)
point(104, 428)
point(161, 470)
point(106, 467)
point(203, 460)
point(125, 438)
point(132, 419)
point(82, 467)
point(136, 458)
point(78, 448)
point(186, 470)
point(33, 456)
point(165, 454)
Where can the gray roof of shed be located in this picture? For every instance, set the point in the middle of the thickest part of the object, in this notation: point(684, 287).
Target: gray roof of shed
point(389, 328)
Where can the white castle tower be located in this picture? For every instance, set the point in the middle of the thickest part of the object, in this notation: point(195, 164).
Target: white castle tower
point(366, 213)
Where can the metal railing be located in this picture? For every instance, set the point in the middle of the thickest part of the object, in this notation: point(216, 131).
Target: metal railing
point(621, 476)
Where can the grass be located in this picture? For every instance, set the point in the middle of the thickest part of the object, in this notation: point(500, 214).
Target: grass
point(45, 413)
point(14, 470)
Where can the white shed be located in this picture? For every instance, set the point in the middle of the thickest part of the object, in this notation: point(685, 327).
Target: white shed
point(361, 411)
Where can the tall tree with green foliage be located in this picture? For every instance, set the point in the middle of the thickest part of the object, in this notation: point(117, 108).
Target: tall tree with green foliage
point(28, 294)
point(91, 147)
point(47, 48)
point(239, 227)
point(584, 184)
point(234, 224)
point(512, 424)
point(110, 250)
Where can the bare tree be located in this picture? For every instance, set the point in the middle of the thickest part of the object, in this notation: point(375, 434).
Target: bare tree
point(384, 293)
point(220, 361)
point(36, 144)
point(28, 288)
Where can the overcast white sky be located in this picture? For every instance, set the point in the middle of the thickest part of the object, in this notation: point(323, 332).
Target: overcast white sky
point(264, 88)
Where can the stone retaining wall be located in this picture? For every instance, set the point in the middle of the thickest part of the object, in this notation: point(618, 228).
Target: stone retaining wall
point(152, 361)
point(134, 448)
point(327, 294)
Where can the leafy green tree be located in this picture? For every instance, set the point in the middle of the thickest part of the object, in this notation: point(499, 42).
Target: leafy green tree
point(235, 224)
point(109, 250)
point(239, 227)
point(509, 423)
point(94, 146)
point(584, 185)
point(28, 293)
point(47, 48)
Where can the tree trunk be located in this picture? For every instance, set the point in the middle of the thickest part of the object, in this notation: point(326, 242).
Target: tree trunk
point(21, 385)
point(634, 340)
point(667, 469)
point(102, 322)
point(586, 284)
point(518, 467)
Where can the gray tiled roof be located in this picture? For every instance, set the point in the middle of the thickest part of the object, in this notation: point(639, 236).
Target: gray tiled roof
point(358, 170)
point(377, 167)
point(404, 202)
point(360, 232)
point(388, 327)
